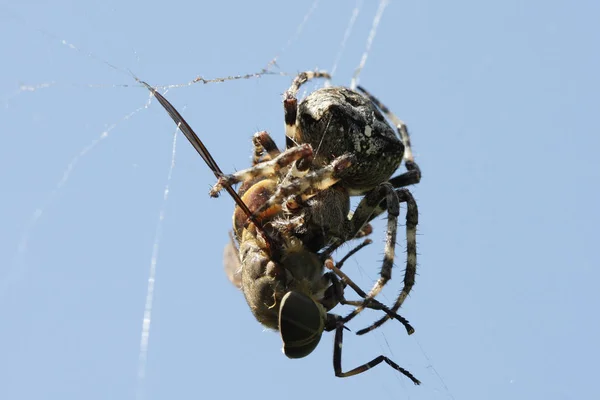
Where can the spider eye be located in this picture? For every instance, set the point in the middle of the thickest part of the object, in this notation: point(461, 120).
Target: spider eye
point(301, 323)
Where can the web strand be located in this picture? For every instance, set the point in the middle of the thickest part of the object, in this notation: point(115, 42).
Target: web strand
point(16, 270)
point(146, 321)
point(294, 37)
point(199, 79)
point(30, 88)
point(347, 34)
point(382, 5)
point(430, 366)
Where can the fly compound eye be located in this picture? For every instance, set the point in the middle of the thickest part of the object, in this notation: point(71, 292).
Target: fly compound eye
point(301, 323)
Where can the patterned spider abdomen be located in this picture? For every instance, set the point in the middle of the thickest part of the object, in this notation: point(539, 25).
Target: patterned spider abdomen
point(338, 121)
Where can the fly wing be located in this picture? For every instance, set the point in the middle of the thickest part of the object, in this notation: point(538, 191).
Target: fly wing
point(231, 262)
point(195, 141)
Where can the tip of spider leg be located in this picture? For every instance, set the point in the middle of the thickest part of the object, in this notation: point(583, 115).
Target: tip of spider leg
point(363, 331)
point(214, 192)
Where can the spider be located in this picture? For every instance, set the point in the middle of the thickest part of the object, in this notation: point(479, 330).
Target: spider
point(356, 152)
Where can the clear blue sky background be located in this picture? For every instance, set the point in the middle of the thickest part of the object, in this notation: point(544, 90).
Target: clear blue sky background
point(501, 100)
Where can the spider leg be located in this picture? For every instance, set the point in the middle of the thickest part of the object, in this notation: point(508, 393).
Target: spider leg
point(411, 177)
point(369, 208)
point(366, 230)
point(412, 219)
point(369, 203)
point(334, 294)
point(365, 243)
point(366, 302)
point(413, 174)
point(262, 142)
point(290, 104)
point(335, 322)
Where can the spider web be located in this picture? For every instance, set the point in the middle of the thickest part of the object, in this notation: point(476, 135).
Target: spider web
point(283, 64)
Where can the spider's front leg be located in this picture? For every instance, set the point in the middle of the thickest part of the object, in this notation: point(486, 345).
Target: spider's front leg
point(290, 105)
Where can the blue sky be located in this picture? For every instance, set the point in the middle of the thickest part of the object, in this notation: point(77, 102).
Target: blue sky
point(500, 100)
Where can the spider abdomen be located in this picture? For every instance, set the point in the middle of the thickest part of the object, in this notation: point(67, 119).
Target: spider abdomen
point(338, 121)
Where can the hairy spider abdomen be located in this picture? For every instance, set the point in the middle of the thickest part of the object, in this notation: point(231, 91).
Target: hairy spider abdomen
point(338, 121)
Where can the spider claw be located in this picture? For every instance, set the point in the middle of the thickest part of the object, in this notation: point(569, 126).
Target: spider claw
point(216, 189)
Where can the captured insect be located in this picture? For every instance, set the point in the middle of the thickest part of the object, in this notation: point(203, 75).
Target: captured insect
point(275, 222)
